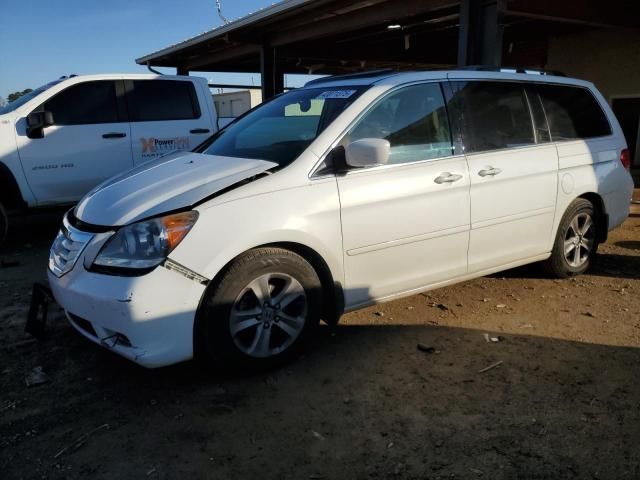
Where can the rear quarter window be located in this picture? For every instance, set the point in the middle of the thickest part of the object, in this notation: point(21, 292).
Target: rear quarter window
point(573, 113)
point(157, 100)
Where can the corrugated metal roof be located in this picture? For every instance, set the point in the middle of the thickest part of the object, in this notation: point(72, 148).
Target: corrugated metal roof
point(261, 14)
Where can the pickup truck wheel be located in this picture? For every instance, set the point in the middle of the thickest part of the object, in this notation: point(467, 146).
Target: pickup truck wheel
point(261, 312)
point(4, 224)
point(576, 241)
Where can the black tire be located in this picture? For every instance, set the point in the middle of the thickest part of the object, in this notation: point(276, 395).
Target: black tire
point(216, 345)
point(558, 265)
point(4, 224)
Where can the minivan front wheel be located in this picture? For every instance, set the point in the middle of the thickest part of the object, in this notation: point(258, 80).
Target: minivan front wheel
point(576, 241)
point(261, 312)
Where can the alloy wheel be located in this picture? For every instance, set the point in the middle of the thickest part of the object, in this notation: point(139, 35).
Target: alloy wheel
point(268, 315)
point(579, 240)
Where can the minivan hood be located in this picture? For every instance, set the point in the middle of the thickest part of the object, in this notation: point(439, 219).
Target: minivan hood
point(175, 181)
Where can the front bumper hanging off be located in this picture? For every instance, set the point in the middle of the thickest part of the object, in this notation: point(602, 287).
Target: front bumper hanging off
point(148, 319)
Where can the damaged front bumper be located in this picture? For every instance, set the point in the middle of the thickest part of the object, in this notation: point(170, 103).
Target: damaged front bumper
point(147, 319)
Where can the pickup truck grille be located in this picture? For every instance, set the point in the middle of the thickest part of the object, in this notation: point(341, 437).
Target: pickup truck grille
point(66, 248)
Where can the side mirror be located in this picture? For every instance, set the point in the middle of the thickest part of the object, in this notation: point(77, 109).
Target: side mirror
point(37, 122)
point(368, 152)
point(42, 119)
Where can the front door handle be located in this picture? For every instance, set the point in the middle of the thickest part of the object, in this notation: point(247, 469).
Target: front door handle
point(200, 130)
point(447, 177)
point(489, 172)
point(114, 135)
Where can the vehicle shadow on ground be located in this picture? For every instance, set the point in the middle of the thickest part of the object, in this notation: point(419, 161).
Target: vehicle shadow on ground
point(630, 244)
point(533, 271)
point(605, 265)
point(364, 402)
point(617, 266)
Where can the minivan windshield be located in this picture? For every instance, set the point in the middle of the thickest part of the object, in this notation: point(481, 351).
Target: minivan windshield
point(18, 102)
point(282, 128)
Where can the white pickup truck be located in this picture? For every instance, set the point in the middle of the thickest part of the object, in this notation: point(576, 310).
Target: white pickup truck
point(66, 137)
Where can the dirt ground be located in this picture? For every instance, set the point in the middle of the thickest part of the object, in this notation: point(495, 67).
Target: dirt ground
point(364, 402)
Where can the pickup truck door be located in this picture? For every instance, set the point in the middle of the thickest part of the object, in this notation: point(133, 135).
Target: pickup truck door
point(89, 142)
point(166, 115)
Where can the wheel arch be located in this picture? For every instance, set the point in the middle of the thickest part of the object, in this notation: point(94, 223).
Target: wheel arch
point(333, 295)
point(602, 218)
point(10, 194)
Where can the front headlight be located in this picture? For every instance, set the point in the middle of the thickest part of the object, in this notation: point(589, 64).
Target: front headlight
point(146, 244)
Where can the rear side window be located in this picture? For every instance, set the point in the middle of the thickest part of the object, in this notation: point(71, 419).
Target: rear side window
point(85, 103)
point(573, 113)
point(491, 115)
point(413, 120)
point(156, 100)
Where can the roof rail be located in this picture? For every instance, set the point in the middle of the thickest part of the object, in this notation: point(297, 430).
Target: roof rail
point(349, 76)
point(493, 68)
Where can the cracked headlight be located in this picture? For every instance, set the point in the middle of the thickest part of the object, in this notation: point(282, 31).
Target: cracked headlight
point(145, 244)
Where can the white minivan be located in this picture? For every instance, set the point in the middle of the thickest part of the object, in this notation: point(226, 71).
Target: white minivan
point(62, 139)
point(350, 191)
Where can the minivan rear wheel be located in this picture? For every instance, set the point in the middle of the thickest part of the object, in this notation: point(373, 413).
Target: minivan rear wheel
point(261, 312)
point(576, 241)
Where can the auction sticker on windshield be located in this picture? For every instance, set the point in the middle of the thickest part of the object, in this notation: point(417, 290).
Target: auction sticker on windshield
point(336, 94)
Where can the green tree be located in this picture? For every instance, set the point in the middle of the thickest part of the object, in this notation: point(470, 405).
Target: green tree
point(16, 95)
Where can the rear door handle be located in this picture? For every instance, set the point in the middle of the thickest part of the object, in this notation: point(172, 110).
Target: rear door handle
point(200, 130)
point(447, 177)
point(114, 135)
point(489, 172)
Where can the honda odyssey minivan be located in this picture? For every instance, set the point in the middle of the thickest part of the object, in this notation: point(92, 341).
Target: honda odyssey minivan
point(350, 191)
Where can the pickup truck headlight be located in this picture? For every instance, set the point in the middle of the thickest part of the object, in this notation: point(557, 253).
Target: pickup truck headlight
point(146, 244)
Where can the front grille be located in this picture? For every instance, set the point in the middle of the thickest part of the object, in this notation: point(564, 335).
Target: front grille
point(66, 248)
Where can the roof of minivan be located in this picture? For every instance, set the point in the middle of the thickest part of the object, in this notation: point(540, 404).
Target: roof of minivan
point(388, 77)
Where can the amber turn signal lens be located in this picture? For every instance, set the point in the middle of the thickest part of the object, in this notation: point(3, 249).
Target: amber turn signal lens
point(177, 226)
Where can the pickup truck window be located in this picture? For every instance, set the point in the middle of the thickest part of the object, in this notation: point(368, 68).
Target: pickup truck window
point(158, 100)
point(84, 104)
point(281, 129)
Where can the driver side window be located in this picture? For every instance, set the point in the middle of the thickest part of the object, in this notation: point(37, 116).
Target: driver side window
point(85, 104)
point(413, 120)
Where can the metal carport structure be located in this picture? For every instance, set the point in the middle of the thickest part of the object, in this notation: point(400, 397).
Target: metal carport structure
point(343, 36)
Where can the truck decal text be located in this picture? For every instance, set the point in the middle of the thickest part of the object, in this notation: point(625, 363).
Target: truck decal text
point(152, 146)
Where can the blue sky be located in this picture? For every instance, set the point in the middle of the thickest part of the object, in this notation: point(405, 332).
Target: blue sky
point(41, 40)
